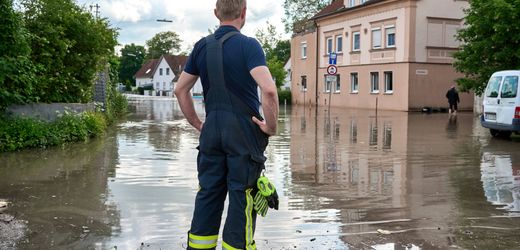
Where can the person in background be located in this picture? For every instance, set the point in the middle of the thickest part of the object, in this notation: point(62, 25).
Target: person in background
point(453, 99)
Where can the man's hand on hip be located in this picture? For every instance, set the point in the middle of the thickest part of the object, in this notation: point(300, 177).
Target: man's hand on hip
point(263, 126)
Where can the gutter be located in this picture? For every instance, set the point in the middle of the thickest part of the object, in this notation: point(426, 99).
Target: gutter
point(317, 58)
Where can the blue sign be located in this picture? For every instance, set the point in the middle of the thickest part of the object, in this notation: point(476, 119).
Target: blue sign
point(333, 58)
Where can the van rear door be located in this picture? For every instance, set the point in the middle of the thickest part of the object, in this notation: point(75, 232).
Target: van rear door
point(507, 104)
point(492, 99)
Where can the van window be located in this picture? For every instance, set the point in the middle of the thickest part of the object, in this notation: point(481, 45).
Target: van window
point(509, 87)
point(493, 86)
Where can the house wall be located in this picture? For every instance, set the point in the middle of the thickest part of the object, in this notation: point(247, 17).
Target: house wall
point(142, 81)
point(163, 82)
point(303, 67)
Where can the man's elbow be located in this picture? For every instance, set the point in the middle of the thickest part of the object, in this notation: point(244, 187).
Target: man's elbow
point(270, 92)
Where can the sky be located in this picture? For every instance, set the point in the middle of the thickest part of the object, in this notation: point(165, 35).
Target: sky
point(136, 19)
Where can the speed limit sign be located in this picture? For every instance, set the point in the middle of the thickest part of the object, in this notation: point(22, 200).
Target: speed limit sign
point(332, 70)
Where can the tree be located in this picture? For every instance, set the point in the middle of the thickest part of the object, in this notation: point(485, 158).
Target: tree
point(277, 71)
point(268, 38)
point(283, 50)
point(132, 58)
point(491, 42)
point(277, 52)
point(300, 11)
point(163, 43)
point(15, 87)
point(69, 46)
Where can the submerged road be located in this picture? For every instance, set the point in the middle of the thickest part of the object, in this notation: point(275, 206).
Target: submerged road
point(347, 179)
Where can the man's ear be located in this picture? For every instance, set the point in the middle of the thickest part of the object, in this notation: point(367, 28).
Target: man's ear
point(215, 12)
point(243, 14)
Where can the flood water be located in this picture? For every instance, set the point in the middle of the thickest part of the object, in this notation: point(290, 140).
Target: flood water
point(347, 179)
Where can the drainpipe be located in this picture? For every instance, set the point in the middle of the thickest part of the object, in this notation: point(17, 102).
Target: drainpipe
point(317, 60)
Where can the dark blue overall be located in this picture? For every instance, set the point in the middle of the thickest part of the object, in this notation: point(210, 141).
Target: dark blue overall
point(230, 160)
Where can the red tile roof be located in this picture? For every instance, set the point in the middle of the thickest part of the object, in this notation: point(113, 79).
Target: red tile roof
point(147, 70)
point(175, 62)
point(332, 7)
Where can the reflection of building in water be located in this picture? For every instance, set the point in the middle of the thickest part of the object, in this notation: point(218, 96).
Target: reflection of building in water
point(501, 180)
point(375, 168)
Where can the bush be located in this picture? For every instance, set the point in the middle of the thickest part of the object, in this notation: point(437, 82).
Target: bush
point(20, 132)
point(284, 95)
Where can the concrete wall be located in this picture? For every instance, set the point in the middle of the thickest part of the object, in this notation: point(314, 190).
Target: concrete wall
point(48, 112)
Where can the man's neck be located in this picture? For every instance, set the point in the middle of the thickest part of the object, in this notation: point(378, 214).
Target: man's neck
point(235, 23)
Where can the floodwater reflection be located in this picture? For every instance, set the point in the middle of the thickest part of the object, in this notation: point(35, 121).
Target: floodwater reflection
point(347, 179)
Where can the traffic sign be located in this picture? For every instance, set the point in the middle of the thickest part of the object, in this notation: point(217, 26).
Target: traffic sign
point(333, 58)
point(332, 70)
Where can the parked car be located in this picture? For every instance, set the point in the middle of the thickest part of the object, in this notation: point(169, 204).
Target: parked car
point(501, 106)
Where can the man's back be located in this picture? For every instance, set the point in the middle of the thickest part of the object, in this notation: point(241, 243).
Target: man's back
point(240, 55)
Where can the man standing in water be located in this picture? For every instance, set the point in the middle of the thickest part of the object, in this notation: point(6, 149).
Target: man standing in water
point(453, 99)
point(234, 135)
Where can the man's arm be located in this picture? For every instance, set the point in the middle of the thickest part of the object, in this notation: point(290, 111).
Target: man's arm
point(265, 81)
point(182, 92)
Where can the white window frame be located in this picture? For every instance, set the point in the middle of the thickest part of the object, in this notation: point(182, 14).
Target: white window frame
point(337, 87)
point(167, 71)
point(354, 82)
point(354, 34)
point(374, 82)
point(374, 40)
point(391, 74)
point(328, 42)
point(327, 86)
point(386, 36)
point(339, 44)
point(304, 50)
point(160, 71)
point(352, 3)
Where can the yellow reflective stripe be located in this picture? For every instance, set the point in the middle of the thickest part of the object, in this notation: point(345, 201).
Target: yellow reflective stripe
point(197, 237)
point(202, 242)
point(201, 246)
point(249, 221)
point(226, 246)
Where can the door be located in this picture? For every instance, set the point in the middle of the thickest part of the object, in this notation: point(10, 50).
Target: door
point(492, 99)
point(507, 105)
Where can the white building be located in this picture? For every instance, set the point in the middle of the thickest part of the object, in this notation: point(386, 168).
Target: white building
point(287, 81)
point(163, 74)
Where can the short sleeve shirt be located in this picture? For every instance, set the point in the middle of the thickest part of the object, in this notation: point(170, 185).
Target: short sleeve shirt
point(240, 54)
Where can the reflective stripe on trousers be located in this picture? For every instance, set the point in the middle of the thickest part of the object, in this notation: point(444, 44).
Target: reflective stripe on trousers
point(202, 242)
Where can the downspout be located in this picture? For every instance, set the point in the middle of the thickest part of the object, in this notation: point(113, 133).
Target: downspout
point(317, 59)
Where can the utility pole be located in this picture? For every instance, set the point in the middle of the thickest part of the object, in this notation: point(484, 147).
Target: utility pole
point(97, 10)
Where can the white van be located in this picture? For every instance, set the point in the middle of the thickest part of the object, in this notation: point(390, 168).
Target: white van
point(501, 113)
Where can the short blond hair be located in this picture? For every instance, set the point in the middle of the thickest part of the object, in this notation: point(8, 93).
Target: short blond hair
point(228, 10)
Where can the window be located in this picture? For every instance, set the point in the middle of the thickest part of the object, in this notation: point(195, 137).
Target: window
point(442, 32)
point(352, 3)
point(376, 38)
point(329, 45)
point(354, 85)
point(364, 1)
point(356, 36)
point(167, 71)
point(509, 87)
point(304, 83)
point(339, 44)
point(304, 50)
point(493, 85)
point(160, 72)
point(329, 82)
point(337, 87)
point(390, 36)
point(389, 82)
point(374, 82)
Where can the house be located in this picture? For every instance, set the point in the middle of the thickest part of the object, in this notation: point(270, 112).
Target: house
point(163, 74)
point(391, 54)
point(287, 81)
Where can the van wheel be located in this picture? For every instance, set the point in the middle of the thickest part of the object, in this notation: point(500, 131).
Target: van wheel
point(505, 134)
point(494, 132)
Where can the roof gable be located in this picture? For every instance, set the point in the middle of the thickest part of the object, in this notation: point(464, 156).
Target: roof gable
point(176, 64)
point(148, 69)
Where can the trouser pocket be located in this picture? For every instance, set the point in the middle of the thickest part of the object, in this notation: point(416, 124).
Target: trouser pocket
point(255, 169)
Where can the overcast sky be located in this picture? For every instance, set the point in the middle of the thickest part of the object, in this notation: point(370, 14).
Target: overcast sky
point(136, 19)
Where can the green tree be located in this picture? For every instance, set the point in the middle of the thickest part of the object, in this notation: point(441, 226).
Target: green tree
point(16, 70)
point(277, 71)
point(68, 47)
point(163, 43)
point(298, 12)
point(132, 58)
point(491, 42)
point(268, 38)
point(283, 50)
